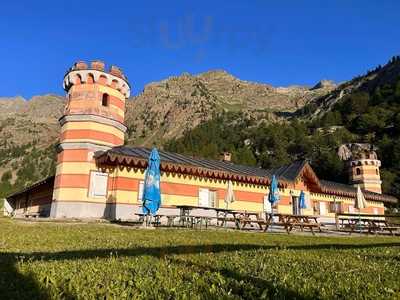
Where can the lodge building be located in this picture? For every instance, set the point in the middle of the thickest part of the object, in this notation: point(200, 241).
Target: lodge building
point(98, 177)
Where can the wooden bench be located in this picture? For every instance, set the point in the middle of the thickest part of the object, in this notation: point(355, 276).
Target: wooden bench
point(369, 223)
point(247, 220)
point(303, 225)
point(35, 214)
point(288, 222)
point(156, 220)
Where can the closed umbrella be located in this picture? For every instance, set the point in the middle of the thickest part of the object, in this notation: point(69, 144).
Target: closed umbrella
point(273, 195)
point(151, 187)
point(302, 200)
point(360, 199)
point(360, 204)
point(230, 195)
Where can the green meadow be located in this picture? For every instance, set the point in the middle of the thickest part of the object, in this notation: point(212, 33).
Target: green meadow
point(103, 261)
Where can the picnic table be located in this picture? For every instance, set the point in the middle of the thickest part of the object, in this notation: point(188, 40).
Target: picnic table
point(157, 219)
point(244, 218)
point(291, 221)
point(225, 215)
point(369, 223)
point(188, 220)
point(222, 215)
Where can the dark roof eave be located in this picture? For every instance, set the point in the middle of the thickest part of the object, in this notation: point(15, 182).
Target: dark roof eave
point(117, 158)
point(31, 187)
point(334, 188)
point(287, 174)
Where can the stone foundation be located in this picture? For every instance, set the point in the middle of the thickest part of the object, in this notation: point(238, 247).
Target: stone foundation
point(109, 211)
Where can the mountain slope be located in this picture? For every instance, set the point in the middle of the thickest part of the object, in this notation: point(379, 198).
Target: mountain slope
point(165, 109)
point(368, 83)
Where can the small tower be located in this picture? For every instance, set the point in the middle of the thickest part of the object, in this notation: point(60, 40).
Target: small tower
point(93, 121)
point(363, 166)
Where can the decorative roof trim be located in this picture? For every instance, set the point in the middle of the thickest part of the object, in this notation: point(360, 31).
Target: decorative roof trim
point(302, 169)
point(352, 194)
point(112, 158)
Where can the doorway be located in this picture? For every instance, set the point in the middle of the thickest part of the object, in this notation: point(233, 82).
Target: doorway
point(295, 205)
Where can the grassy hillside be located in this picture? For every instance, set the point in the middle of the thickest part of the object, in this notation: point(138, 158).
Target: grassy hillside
point(94, 261)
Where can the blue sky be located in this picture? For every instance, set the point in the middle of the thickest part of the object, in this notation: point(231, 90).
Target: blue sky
point(275, 42)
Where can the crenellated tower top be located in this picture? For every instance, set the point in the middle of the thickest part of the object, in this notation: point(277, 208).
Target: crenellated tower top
point(94, 114)
point(96, 72)
point(362, 165)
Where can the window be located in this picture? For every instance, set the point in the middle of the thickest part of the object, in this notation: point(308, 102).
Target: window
point(358, 171)
point(98, 184)
point(335, 207)
point(105, 100)
point(351, 209)
point(377, 172)
point(207, 198)
point(322, 208)
point(90, 78)
point(267, 205)
point(213, 198)
point(140, 191)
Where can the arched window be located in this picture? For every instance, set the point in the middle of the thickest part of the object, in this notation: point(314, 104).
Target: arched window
point(114, 83)
point(105, 100)
point(90, 78)
point(78, 79)
point(103, 79)
point(358, 171)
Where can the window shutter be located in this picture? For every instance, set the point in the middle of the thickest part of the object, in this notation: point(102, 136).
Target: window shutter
point(322, 208)
point(213, 199)
point(140, 192)
point(98, 184)
point(267, 205)
point(203, 197)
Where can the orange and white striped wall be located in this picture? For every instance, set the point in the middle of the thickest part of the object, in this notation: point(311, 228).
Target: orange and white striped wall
point(177, 189)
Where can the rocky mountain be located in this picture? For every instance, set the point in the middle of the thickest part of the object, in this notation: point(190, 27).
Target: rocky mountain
point(167, 108)
point(35, 121)
point(380, 76)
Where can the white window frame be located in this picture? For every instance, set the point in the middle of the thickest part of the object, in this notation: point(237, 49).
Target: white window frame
point(267, 205)
point(323, 209)
point(140, 191)
point(212, 197)
point(93, 193)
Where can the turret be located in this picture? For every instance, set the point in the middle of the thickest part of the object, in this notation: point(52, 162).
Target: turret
point(363, 166)
point(95, 108)
point(93, 121)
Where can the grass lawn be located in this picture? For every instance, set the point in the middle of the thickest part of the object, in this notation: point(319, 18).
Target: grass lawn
point(93, 261)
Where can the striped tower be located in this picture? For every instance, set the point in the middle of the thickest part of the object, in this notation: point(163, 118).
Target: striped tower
point(93, 121)
point(365, 172)
point(363, 166)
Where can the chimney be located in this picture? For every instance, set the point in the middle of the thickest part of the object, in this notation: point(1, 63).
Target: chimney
point(226, 156)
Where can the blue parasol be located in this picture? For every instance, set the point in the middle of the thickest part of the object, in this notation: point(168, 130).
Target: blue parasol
point(302, 200)
point(273, 196)
point(151, 189)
